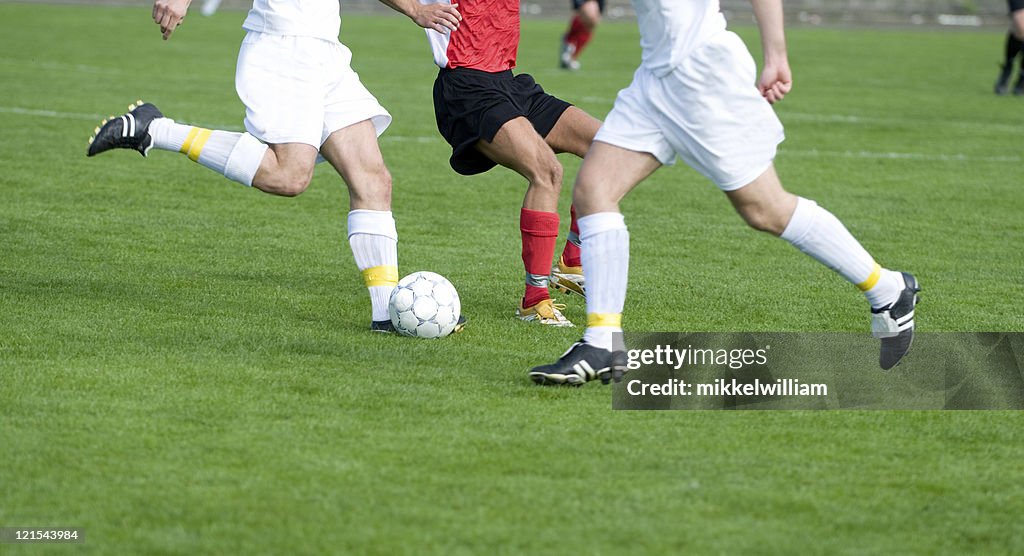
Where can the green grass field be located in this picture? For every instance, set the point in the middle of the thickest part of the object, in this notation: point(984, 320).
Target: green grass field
point(186, 366)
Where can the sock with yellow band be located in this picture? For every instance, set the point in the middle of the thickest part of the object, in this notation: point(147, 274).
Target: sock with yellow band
point(818, 233)
point(237, 156)
point(374, 241)
point(605, 258)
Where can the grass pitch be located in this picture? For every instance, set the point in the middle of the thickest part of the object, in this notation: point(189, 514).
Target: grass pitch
point(186, 366)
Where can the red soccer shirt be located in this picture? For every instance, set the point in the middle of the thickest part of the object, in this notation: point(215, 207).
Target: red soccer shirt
point(487, 38)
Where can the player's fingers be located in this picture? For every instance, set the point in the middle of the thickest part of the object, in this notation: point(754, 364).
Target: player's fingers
point(454, 10)
point(448, 20)
point(780, 90)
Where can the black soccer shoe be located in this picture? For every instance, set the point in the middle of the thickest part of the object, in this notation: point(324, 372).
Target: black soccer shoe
point(127, 131)
point(1018, 88)
point(1002, 85)
point(581, 364)
point(387, 327)
point(894, 324)
point(382, 326)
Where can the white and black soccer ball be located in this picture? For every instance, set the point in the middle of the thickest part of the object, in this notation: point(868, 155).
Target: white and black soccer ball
point(424, 305)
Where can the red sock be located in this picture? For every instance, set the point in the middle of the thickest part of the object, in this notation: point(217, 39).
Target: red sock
point(578, 35)
point(540, 230)
point(571, 253)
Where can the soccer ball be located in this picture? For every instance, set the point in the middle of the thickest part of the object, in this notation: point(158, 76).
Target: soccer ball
point(424, 305)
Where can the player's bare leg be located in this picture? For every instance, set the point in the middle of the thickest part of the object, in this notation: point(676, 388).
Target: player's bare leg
point(573, 133)
point(355, 154)
point(766, 206)
point(286, 169)
point(608, 173)
point(519, 147)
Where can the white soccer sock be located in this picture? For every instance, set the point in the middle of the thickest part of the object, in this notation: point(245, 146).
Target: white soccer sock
point(235, 155)
point(605, 257)
point(821, 235)
point(374, 240)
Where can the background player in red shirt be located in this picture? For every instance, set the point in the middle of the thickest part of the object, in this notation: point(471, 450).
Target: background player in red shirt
point(586, 16)
point(490, 116)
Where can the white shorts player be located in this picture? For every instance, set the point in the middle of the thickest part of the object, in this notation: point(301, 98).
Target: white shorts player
point(697, 96)
point(302, 101)
point(299, 89)
point(714, 120)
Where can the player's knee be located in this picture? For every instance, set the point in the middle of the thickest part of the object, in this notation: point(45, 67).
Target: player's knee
point(294, 183)
point(548, 176)
point(764, 217)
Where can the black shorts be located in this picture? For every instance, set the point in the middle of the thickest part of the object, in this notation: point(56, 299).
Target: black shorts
point(472, 105)
point(1016, 5)
point(600, 3)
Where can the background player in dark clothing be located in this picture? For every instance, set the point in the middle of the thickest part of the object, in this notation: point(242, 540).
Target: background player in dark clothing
point(1014, 46)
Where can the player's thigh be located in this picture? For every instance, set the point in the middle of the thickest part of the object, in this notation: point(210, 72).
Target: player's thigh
point(355, 154)
point(1017, 21)
point(519, 147)
point(590, 12)
point(715, 118)
point(279, 81)
point(574, 132)
point(607, 174)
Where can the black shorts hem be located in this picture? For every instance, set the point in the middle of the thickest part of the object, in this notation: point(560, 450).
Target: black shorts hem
point(472, 105)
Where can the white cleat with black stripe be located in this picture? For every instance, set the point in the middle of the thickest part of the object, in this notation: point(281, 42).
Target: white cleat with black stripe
point(127, 131)
point(581, 364)
point(894, 324)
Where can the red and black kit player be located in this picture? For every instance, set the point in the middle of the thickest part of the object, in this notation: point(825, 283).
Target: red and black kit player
point(491, 116)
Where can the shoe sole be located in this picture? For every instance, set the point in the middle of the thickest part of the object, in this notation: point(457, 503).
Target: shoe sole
point(566, 285)
point(545, 379)
point(606, 375)
point(534, 318)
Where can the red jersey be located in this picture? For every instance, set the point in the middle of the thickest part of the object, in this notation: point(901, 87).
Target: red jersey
point(487, 38)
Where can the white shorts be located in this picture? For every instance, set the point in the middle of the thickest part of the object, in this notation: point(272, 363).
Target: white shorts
point(301, 89)
point(707, 111)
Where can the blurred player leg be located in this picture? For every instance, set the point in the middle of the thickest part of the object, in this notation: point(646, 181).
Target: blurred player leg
point(210, 7)
point(581, 28)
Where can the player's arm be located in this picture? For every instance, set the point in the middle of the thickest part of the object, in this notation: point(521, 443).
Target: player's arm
point(168, 14)
point(442, 18)
point(776, 79)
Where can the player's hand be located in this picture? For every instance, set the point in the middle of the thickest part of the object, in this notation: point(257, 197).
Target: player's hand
point(168, 14)
point(776, 81)
point(443, 18)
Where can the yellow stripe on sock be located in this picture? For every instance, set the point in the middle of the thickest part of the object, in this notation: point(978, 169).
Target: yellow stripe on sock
point(188, 140)
point(197, 146)
point(383, 275)
point(604, 319)
point(876, 273)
